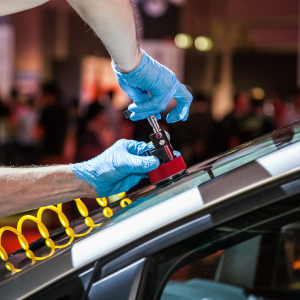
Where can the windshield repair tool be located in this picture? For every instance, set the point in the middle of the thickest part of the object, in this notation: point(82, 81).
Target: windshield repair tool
point(171, 166)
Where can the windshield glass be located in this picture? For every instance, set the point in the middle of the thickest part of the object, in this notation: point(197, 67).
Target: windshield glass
point(211, 168)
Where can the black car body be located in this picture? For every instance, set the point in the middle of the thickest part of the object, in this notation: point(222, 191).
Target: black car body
point(228, 229)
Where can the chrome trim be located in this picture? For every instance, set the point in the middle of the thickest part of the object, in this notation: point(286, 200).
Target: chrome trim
point(153, 121)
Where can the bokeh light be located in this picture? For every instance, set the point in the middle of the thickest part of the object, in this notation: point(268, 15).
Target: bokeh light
point(257, 93)
point(203, 43)
point(183, 41)
point(268, 109)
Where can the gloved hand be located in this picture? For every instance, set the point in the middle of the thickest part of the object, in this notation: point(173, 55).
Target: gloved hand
point(161, 83)
point(177, 153)
point(117, 169)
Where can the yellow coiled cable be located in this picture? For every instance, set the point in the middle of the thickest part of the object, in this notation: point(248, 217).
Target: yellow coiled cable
point(107, 212)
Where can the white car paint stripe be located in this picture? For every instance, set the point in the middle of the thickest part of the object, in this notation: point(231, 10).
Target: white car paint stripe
point(282, 160)
point(149, 220)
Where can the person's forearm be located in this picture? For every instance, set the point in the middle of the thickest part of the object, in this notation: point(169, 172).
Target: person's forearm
point(28, 188)
point(12, 6)
point(113, 21)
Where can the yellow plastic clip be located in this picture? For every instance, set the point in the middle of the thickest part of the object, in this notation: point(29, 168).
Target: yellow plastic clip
point(102, 201)
point(121, 194)
point(107, 212)
point(3, 253)
point(84, 212)
point(44, 233)
point(81, 207)
point(64, 222)
point(125, 202)
point(10, 267)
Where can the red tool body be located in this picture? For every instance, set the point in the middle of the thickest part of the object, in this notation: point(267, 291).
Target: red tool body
point(167, 171)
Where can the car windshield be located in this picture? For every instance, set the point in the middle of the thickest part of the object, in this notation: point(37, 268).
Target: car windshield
point(214, 167)
point(151, 195)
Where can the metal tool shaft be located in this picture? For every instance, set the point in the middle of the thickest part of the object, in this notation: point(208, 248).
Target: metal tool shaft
point(153, 121)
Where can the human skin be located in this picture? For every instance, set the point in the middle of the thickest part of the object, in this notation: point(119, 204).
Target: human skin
point(112, 20)
point(22, 189)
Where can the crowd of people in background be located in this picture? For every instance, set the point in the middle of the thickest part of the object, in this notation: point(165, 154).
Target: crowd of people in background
point(50, 130)
point(201, 137)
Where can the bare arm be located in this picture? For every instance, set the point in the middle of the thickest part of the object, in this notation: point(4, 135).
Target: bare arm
point(113, 21)
point(13, 6)
point(28, 188)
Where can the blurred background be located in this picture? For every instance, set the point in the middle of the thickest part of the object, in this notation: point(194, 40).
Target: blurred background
point(60, 102)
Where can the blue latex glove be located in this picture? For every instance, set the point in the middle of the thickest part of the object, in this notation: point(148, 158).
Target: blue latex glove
point(161, 83)
point(177, 153)
point(117, 169)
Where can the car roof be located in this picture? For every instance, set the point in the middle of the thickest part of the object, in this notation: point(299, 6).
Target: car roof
point(205, 184)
